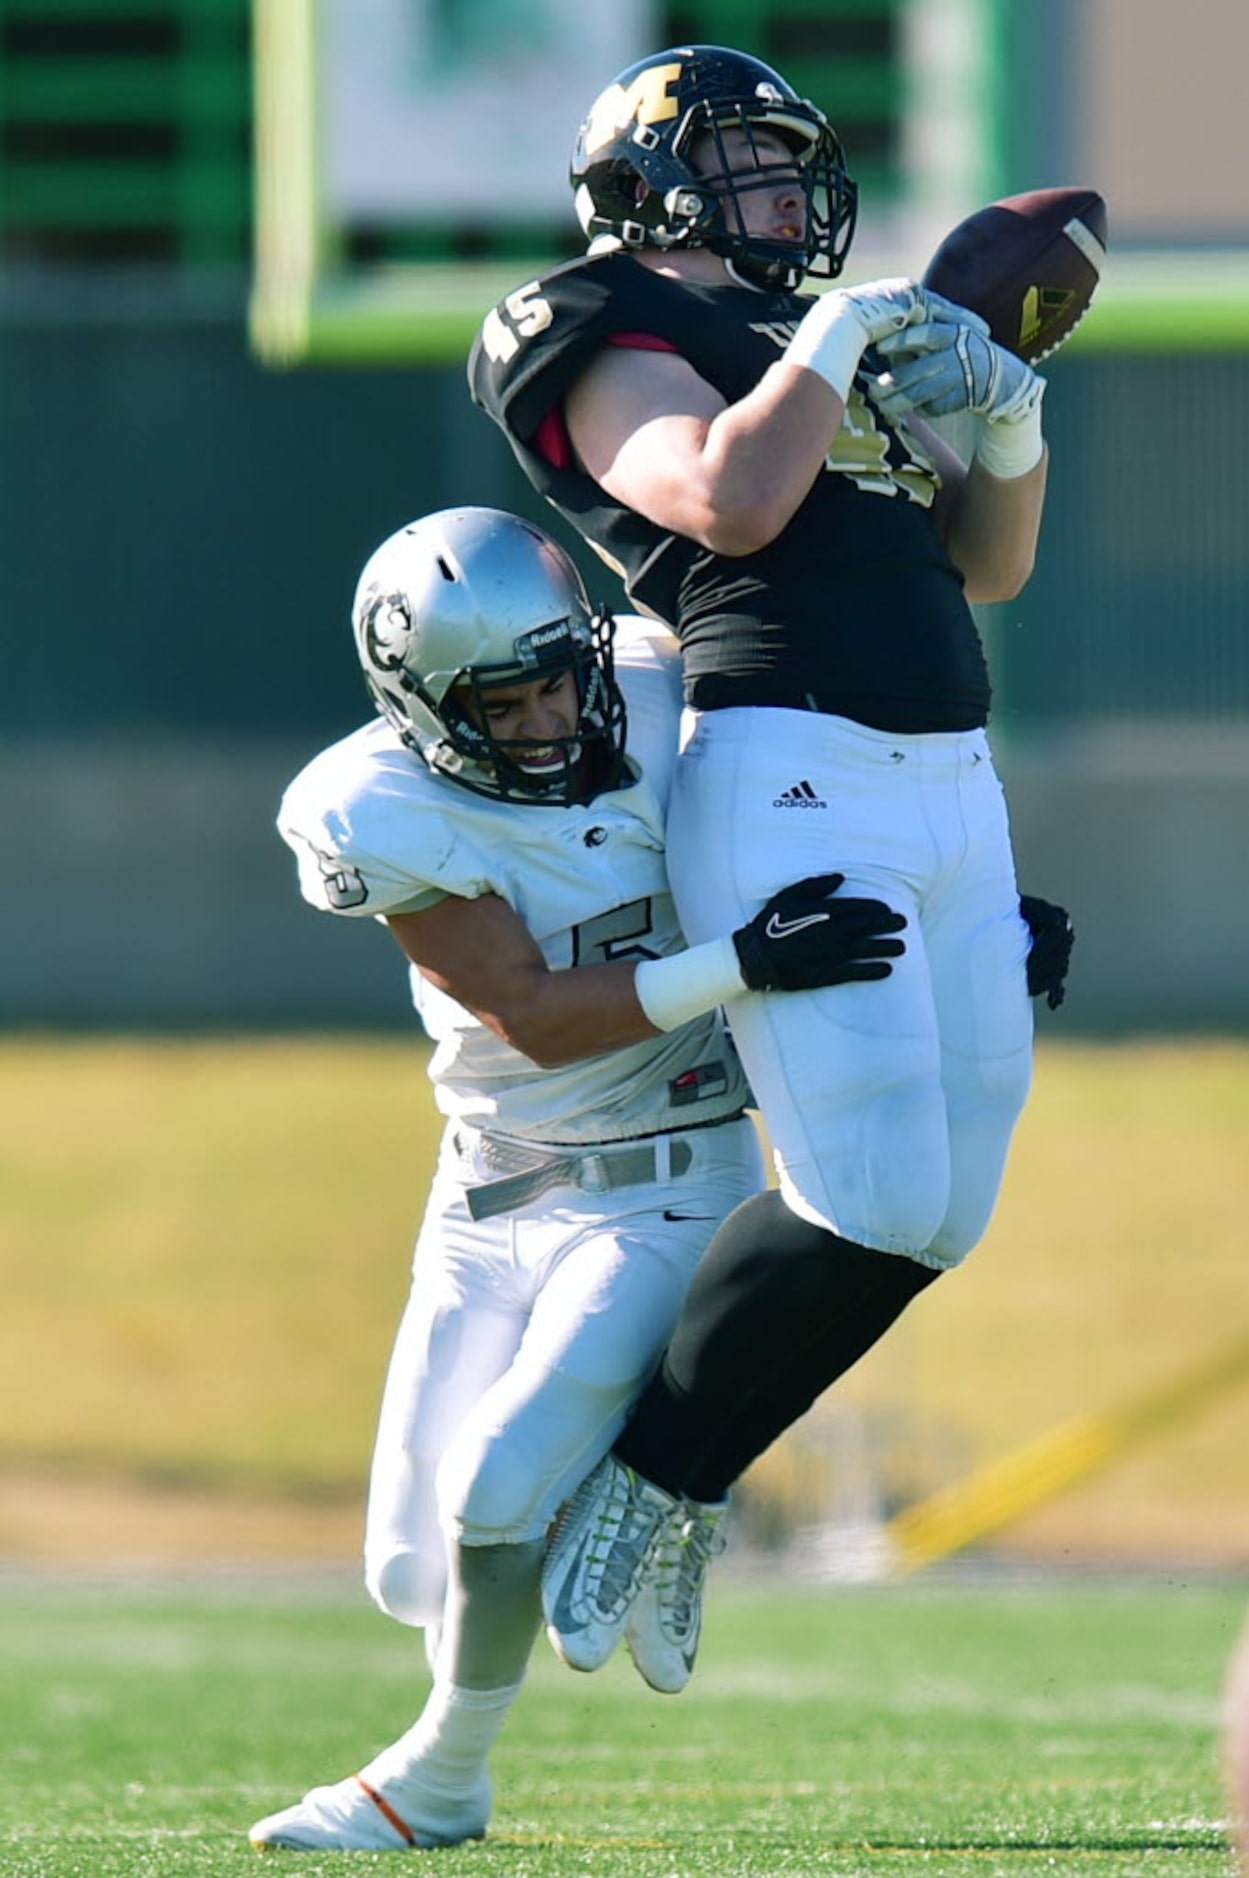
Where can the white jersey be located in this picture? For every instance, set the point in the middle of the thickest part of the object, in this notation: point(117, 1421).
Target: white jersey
point(377, 832)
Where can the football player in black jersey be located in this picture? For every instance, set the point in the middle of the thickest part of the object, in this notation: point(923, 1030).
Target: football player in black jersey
point(755, 462)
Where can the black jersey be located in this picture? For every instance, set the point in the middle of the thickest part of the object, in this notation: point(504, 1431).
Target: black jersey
point(855, 608)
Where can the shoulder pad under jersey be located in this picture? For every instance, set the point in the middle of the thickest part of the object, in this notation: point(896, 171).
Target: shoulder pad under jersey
point(539, 338)
point(373, 830)
point(648, 670)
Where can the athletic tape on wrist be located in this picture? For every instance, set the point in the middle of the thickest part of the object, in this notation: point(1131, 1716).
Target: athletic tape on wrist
point(1009, 448)
point(672, 991)
point(829, 341)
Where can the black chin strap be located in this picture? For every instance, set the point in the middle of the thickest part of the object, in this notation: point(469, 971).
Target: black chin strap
point(793, 277)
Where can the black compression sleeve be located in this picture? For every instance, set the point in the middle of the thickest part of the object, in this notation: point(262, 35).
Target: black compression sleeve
point(777, 1310)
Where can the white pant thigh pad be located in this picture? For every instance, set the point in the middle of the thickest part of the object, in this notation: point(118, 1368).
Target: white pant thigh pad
point(889, 1104)
point(985, 1019)
point(531, 1336)
point(850, 1086)
point(604, 1311)
point(452, 1344)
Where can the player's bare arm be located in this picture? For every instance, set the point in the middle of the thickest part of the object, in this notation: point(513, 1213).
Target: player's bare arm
point(660, 439)
point(481, 953)
point(993, 530)
point(990, 524)
point(657, 436)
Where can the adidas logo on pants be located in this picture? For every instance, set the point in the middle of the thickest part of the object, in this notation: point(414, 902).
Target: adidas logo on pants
point(801, 796)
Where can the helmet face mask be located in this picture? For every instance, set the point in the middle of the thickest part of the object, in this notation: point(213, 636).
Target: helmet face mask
point(462, 603)
point(651, 167)
point(559, 777)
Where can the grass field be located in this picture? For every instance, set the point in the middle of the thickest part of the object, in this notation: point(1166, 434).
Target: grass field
point(955, 1731)
point(205, 1242)
point(203, 1249)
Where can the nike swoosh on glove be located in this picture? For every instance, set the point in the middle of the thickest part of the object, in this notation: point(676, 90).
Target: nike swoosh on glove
point(806, 937)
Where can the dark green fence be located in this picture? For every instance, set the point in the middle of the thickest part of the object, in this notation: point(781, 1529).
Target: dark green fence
point(125, 132)
point(180, 530)
point(1139, 608)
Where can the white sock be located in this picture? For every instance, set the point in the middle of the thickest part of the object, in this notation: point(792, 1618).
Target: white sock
point(449, 1745)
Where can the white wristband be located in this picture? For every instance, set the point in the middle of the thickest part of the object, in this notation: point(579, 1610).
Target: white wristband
point(674, 990)
point(1010, 448)
point(829, 341)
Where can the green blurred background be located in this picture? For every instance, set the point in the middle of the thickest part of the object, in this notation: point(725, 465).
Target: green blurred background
point(221, 384)
point(181, 524)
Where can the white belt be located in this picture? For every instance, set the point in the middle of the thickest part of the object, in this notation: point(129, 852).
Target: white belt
point(597, 1169)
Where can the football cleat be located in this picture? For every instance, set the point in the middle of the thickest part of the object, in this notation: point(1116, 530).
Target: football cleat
point(355, 1817)
point(596, 1558)
point(664, 1624)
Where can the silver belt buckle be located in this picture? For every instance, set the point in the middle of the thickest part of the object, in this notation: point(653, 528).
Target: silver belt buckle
point(596, 1172)
point(591, 1174)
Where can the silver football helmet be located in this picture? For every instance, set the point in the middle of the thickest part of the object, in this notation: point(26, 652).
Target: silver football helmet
point(467, 599)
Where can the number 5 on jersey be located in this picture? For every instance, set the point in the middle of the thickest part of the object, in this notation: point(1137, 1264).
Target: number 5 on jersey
point(614, 935)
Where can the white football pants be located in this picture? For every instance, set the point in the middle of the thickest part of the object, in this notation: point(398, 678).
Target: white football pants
point(890, 1105)
point(525, 1340)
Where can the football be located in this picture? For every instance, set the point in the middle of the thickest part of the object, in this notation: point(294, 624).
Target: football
point(1028, 264)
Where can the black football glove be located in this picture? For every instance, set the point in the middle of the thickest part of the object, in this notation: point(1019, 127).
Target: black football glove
point(1049, 957)
point(804, 937)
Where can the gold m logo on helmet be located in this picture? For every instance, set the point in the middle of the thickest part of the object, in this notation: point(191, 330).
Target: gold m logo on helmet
point(645, 102)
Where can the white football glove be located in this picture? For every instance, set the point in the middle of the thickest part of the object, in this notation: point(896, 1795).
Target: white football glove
point(885, 306)
point(833, 334)
point(946, 312)
point(938, 369)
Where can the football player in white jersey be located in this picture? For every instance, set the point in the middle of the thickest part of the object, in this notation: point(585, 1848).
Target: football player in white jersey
point(493, 817)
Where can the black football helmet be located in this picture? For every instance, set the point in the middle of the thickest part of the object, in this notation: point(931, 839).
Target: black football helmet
point(469, 599)
point(635, 185)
